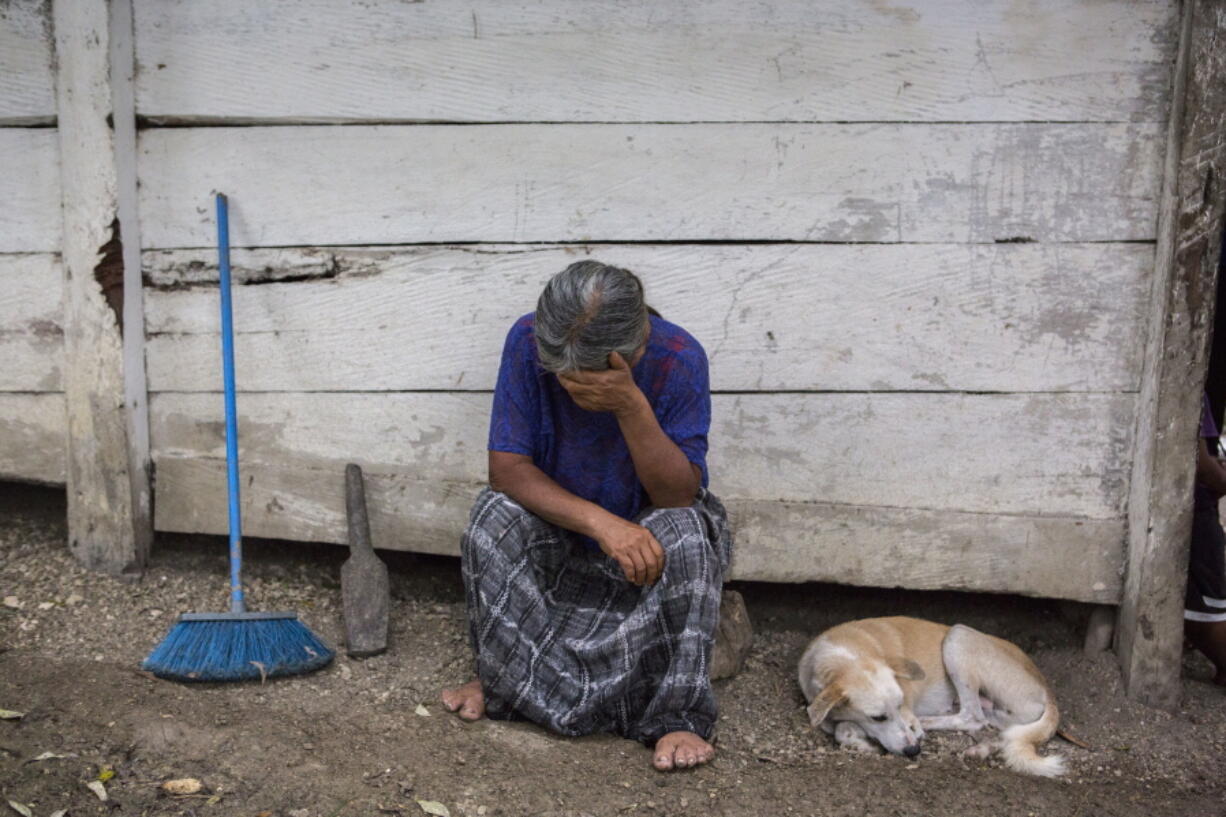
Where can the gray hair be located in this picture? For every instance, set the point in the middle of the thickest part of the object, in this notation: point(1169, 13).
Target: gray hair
point(586, 312)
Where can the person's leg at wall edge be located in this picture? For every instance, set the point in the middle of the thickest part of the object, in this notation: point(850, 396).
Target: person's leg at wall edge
point(1205, 605)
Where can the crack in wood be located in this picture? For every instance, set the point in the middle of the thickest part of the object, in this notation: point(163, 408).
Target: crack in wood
point(108, 272)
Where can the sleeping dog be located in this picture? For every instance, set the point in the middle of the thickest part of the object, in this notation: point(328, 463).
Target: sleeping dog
point(890, 679)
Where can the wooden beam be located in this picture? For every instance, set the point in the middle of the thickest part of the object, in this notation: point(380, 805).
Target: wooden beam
point(1189, 234)
point(27, 93)
point(901, 450)
point(1047, 556)
point(30, 187)
point(108, 526)
point(135, 390)
point(31, 322)
point(684, 60)
point(828, 317)
point(32, 445)
point(570, 182)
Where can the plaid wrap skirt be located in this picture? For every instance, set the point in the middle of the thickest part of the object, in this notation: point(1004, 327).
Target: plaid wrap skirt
point(561, 637)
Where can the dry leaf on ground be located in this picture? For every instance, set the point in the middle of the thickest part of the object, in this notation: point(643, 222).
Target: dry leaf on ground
point(434, 807)
point(184, 785)
point(49, 756)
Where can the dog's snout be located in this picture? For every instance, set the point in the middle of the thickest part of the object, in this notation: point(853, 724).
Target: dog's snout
point(911, 750)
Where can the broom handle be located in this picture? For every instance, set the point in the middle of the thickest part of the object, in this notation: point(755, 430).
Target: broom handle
point(227, 369)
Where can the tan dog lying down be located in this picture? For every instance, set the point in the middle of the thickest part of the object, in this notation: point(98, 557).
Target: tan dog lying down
point(892, 678)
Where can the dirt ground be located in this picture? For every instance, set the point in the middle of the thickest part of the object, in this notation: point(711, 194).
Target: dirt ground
point(352, 740)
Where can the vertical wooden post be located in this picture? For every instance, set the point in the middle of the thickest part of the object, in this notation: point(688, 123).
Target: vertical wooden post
point(108, 485)
point(1189, 234)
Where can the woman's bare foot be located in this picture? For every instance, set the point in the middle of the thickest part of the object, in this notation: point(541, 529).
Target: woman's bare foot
point(681, 750)
point(468, 700)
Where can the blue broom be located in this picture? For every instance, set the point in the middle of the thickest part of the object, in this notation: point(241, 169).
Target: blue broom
point(238, 645)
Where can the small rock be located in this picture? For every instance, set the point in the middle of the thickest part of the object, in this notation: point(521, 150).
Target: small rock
point(12, 602)
point(733, 638)
point(45, 605)
point(74, 599)
point(298, 812)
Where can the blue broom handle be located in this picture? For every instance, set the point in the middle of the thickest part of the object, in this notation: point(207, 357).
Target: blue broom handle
point(227, 368)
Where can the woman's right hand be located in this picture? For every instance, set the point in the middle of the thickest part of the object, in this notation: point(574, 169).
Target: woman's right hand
point(634, 549)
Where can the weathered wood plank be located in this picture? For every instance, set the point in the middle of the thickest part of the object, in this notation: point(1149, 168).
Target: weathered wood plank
point(30, 220)
point(27, 87)
point(942, 60)
point(109, 528)
point(1176, 359)
point(127, 211)
point(311, 186)
point(1009, 317)
point(32, 428)
point(1053, 557)
point(31, 313)
point(1059, 455)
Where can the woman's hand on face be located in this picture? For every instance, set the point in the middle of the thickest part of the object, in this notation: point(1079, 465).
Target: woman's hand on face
point(634, 549)
point(612, 390)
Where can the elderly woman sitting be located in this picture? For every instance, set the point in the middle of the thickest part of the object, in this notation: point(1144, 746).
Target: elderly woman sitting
point(593, 564)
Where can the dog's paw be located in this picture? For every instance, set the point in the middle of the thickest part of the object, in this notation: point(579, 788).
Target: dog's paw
point(981, 751)
point(851, 737)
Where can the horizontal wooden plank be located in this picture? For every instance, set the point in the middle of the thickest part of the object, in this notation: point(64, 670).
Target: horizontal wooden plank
point(30, 219)
point(32, 437)
point(775, 541)
point(1054, 557)
point(27, 86)
point(1058, 455)
point(1008, 317)
point(31, 333)
point(648, 61)
point(311, 186)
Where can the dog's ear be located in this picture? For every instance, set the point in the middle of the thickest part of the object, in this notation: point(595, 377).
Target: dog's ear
point(906, 669)
point(831, 696)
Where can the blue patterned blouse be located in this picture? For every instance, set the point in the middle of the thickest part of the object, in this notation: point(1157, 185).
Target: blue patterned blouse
point(584, 451)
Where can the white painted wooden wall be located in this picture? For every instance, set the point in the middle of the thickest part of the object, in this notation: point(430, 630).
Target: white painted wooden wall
point(901, 398)
point(32, 419)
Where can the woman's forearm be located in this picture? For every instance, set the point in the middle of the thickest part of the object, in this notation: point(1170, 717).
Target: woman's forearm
point(670, 479)
point(517, 477)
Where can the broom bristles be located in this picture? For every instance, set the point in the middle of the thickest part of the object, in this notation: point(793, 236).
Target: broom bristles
point(237, 649)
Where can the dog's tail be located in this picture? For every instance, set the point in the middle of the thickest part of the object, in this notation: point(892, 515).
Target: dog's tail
point(1021, 742)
